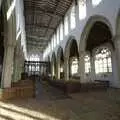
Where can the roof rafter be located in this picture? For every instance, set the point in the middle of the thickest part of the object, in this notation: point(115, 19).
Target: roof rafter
point(42, 17)
point(39, 26)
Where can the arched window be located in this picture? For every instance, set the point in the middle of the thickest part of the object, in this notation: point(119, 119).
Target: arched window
point(37, 68)
point(66, 25)
point(30, 68)
point(82, 9)
point(72, 16)
point(61, 32)
point(96, 2)
point(87, 64)
point(58, 36)
point(52, 43)
point(103, 62)
point(74, 66)
point(34, 58)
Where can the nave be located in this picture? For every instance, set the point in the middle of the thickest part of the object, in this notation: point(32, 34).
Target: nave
point(52, 104)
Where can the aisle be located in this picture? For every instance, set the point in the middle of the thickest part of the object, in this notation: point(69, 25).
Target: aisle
point(50, 104)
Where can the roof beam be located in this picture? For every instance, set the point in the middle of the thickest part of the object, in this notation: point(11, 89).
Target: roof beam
point(45, 11)
point(37, 38)
point(36, 43)
point(39, 26)
point(30, 47)
point(38, 35)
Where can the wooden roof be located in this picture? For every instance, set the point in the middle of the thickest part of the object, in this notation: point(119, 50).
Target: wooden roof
point(41, 20)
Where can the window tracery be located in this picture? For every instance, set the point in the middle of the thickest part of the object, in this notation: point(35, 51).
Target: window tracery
point(66, 25)
point(103, 62)
point(87, 64)
point(74, 66)
point(82, 9)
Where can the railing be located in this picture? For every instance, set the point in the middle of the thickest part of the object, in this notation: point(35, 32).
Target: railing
point(36, 68)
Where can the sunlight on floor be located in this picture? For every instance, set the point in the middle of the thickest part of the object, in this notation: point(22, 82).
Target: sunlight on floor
point(96, 2)
point(14, 112)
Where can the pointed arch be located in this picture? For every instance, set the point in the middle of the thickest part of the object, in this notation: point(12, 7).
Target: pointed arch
point(71, 56)
point(89, 24)
point(97, 33)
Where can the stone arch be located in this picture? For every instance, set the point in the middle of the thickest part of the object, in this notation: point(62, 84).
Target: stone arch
point(68, 45)
point(60, 62)
point(88, 26)
point(53, 65)
point(97, 32)
point(67, 54)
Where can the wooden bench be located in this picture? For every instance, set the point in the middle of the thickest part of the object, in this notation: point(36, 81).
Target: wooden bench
point(22, 89)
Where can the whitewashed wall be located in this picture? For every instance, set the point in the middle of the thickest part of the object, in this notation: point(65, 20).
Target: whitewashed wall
point(39, 55)
point(106, 8)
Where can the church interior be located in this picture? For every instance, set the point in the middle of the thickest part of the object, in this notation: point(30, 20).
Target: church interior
point(59, 60)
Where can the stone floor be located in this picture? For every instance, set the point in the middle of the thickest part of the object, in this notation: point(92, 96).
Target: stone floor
point(52, 104)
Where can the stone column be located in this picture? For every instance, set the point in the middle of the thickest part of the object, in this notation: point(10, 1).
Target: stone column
point(17, 63)
point(82, 67)
point(58, 68)
point(117, 61)
point(92, 73)
point(66, 69)
point(79, 67)
point(18, 66)
point(9, 45)
point(52, 69)
point(15, 70)
point(7, 66)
